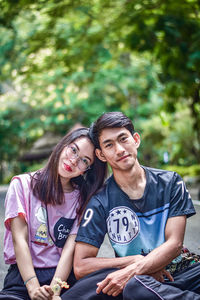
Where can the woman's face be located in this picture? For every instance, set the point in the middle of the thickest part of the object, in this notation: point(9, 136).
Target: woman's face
point(76, 158)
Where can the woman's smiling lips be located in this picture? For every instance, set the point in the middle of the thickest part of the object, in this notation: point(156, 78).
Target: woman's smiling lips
point(67, 168)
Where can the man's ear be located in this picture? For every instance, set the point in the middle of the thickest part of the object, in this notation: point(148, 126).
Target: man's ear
point(100, 155)
point(136, 138)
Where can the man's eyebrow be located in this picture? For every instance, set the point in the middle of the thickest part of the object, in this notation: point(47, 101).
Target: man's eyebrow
point(79, 150)
point(106, 141)
point(110, 140)
point(121, 134)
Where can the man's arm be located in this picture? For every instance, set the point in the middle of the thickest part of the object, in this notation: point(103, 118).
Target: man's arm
point(154, 262)
point(161, 256)
point(86, 262)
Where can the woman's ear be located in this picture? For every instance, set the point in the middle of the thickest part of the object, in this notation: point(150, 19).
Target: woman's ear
point(100, 155)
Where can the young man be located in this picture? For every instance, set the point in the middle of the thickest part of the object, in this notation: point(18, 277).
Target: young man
point(143, 211)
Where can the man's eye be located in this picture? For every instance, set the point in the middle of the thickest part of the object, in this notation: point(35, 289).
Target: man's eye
point(124, 138)
point(108, 145)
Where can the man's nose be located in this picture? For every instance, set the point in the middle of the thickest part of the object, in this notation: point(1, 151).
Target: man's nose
point(119, 149)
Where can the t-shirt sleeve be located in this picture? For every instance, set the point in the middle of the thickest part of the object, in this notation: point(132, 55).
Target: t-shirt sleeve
point(14, 202)
point(93, 225)
point(180, 202)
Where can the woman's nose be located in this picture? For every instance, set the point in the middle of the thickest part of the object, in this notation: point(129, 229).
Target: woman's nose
point(74, 160)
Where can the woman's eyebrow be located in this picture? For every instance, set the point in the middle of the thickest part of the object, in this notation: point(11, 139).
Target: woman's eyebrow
point(76, 146)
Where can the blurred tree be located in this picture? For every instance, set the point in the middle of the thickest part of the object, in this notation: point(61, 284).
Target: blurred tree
point(68, 61)
point(170, 30)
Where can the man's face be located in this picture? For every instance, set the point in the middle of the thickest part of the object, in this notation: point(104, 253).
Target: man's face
point(118, 148)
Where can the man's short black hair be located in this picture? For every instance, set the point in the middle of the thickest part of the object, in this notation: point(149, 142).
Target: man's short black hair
point(109, 120)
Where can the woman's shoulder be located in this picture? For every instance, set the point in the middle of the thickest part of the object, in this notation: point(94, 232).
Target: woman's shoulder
point(24, 176)
point(22, 179)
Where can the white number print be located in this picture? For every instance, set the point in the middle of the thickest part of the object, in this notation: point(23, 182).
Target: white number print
point(87, 216)
point(123, 225)
point(183, 188)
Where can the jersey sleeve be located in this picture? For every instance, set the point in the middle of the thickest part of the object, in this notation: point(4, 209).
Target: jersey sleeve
point(93, 225)
point(15, 202)
point(180, 202)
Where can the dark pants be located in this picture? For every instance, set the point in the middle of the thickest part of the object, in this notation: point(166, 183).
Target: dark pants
point(14, 288)
point(85, 288)
point(186, 286)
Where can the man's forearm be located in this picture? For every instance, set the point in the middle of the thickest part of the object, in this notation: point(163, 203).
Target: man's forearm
point(151, 264)
point(92, 264)
point(161, 256)
point(136, 264)
point(157, 259)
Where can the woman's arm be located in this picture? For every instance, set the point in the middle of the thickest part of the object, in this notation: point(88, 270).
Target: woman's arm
point(19, 231)
point(64, 266)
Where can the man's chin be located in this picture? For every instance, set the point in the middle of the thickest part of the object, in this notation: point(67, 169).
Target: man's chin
point(127, 167)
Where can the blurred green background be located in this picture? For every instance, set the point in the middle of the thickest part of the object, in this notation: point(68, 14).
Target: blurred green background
point(66, 62)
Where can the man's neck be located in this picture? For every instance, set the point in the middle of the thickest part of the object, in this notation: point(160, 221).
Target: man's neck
point(132, 181)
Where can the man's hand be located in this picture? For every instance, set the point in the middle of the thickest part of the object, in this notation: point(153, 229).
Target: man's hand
point(114, 282)
point(160, 275)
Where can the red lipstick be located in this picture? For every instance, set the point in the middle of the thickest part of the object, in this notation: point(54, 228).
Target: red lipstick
point(67, 168)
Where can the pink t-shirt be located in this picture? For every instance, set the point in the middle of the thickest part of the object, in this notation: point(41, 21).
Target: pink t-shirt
point(60, 220)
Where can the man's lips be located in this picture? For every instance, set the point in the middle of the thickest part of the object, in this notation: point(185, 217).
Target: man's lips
point(67, 168)
point(123, 157)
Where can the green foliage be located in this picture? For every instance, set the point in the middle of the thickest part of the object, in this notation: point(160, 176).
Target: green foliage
point(171, 31)
point(191, 171)
point(64, 62)
point(35, 167)
point(169, 133)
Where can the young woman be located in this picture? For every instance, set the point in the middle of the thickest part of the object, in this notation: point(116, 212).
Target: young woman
point(42, 212)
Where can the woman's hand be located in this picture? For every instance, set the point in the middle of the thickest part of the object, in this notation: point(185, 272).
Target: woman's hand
point(42, 293)
point(56, 297)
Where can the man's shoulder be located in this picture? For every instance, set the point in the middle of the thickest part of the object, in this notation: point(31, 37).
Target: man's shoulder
point(161, 174)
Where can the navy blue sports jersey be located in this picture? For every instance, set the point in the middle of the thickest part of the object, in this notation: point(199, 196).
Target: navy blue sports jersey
point(135, 226)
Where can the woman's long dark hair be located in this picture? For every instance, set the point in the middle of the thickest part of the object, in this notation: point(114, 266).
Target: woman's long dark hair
point(46, 183)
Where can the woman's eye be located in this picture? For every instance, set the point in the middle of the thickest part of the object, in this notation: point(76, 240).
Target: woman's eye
point(85, 161)
point(73, 150)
